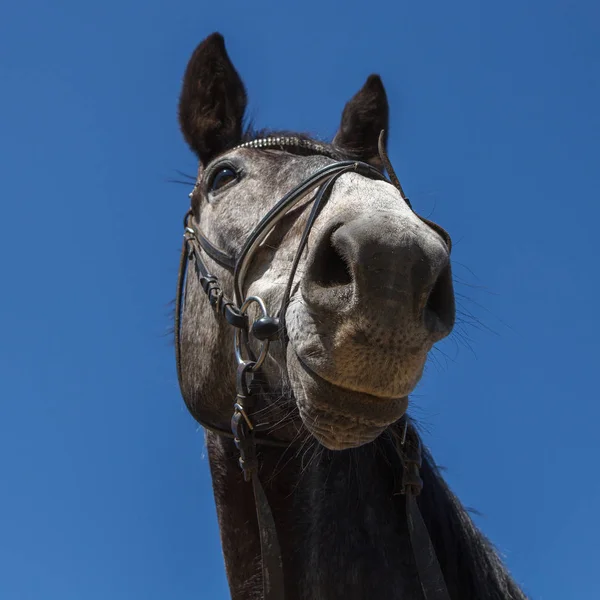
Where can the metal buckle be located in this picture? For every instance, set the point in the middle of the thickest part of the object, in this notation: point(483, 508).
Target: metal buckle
point(241, 425)
point(240, 341)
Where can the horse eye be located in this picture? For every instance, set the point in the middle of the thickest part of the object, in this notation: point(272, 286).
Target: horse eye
point(222, 178)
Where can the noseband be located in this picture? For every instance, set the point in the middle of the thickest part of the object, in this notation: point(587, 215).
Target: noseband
point(270, 326)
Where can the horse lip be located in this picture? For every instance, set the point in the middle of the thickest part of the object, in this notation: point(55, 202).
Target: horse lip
point(376, 398)
point(340, 417)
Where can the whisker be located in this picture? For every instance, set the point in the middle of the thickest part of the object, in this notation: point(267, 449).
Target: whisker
point(193, 178)
point(177, 181)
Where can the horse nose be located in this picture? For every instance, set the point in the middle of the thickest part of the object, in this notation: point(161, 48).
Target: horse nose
point(384, 263)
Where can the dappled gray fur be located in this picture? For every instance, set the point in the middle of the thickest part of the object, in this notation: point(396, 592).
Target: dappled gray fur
point(371, 296)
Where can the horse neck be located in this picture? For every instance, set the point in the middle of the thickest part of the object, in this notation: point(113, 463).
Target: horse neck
point(343, 532)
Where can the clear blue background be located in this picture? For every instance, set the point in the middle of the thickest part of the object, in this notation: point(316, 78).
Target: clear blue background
point(105, 490)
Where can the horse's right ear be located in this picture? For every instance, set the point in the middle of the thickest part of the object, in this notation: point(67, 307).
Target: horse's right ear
point(212, 101)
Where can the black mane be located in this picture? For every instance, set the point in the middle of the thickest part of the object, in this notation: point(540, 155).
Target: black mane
point(464, 553)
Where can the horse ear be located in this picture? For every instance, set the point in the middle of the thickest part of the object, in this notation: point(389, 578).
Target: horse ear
point(212, 100)
point(362, 121)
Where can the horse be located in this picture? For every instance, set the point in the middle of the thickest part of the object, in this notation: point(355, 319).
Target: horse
point(309, 296)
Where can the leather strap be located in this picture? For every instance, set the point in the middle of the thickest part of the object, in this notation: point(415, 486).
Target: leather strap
point(217, 255)
point(428, 567)
point(320, 199)
point(431, 578)
point(272, 566)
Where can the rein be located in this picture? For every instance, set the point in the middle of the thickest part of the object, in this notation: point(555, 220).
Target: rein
point(267, 328)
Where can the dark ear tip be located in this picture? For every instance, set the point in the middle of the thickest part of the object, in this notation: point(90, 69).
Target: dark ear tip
point(215, 39)
point(374, 78)
point(374, 82)
point(211, 50)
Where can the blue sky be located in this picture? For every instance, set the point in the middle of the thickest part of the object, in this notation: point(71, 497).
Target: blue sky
point(495, 132)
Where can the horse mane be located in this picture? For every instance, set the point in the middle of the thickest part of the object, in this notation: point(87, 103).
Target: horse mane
point(470, 563)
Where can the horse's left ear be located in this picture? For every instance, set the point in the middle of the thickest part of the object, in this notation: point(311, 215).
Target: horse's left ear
point(362, 121)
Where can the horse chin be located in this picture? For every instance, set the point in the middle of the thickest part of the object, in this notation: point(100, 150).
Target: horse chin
point(339, 418)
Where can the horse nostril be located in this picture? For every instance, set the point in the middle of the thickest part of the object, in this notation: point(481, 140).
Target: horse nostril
point(329, 268)
point(396, 272)
point(439, 310)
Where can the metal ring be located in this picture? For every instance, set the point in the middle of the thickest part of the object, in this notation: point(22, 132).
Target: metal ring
point(238, 335)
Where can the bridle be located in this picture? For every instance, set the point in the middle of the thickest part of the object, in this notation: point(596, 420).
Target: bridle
point(270, 326)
